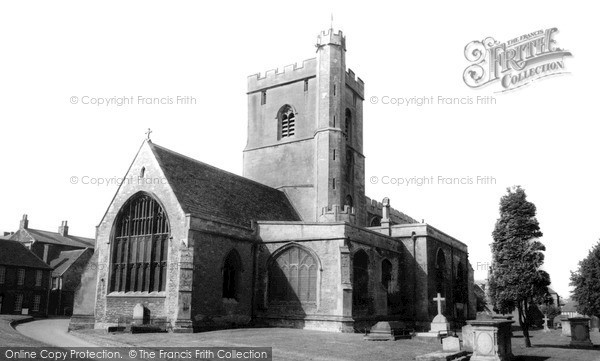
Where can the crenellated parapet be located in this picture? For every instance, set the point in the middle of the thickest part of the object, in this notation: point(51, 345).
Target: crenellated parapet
point(355, 83)
point(375, 208)
point(336, 214)
point(289, 74)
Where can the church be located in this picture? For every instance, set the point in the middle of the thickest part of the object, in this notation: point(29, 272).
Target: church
point(294, 242)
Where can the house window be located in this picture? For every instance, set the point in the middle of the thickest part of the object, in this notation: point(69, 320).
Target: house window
point(20, 277)
point(231, 275)
point(36, 303)
point(18, 302)
point(287, 121)
point(38, 278)
point(2, 274)
point(140, 246)
point(293, 277)
point(54, 283)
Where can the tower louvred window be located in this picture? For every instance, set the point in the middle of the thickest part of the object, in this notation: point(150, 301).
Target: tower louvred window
point(287, 121)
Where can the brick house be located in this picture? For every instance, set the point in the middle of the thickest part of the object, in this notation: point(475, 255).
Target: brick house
point(24, 280)
point(66, 254)
point(293, 242)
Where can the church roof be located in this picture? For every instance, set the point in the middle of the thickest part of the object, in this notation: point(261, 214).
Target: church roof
point(13, 253)
point(57, 238)
point(207, 191)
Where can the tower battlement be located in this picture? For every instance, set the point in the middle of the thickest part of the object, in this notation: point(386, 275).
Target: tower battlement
point(355, 83)
point(335, 214)
point(330, 37)
point(289, 73)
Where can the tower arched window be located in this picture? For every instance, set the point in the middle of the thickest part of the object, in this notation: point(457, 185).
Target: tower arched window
point(232, 267)
point(140, 246)
point(348, 201)
point(293, 276)
point(287, 121)
point(348, 125)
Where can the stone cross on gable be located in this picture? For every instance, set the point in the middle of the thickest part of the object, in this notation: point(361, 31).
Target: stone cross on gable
point(148, 132)
point(439, 300)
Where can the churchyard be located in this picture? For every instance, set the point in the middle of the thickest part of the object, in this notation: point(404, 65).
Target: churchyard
point(294, 344)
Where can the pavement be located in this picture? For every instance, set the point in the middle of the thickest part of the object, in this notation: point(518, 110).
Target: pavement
point(52, 331)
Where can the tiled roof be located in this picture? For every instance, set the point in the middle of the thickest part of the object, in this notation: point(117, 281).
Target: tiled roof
point(570, 306)
point(57, 238)
point(13, 253)
point(207, 191)
point(64, 261)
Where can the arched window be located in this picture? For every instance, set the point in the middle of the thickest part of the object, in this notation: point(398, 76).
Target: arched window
point(287, 121)
point(232, 267)
point(140, 246)
point(375, 222)
point(293, 277)
point(460, 284)
point(440, 272)
point(386, 274)
point(360, 279)
point(348, 126)
point(348, 201)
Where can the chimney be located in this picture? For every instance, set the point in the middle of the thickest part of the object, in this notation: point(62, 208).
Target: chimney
point(24, 224)
point(63, 229)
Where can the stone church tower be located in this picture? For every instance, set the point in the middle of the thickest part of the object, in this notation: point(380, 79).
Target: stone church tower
point(305, 134)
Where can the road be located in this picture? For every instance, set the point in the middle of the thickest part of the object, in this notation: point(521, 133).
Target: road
point(53, 332)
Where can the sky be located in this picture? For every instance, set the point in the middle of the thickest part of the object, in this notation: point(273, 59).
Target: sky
point(58, 57)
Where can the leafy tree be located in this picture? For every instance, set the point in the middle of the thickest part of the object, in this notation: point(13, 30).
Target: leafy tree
point(586, 283)
point(516, 280)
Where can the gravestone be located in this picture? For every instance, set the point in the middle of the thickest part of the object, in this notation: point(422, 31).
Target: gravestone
point(388, 331)
point(439, 323)
point(546, 319)
point(580, 332)
point(566, 326)
point(138, 314)
point(492, 340)
point(468, 337)
point(451, 344)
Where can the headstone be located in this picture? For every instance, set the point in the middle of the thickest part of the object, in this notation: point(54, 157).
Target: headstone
point(492, 340)
point(580, 332)
point(138, 314)
point(468, 337)
point(595, 324)
point(439, 323)
point(450, 343)
point(388, 331)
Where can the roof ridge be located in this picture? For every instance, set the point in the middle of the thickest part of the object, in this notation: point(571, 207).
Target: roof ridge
point(67, 236)
point(214, 167)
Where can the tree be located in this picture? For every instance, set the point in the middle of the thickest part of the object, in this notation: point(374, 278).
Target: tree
point(586, 283)
point(516, 280)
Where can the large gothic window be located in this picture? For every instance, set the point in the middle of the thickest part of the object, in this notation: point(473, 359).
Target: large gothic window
point(440, 272)
point(287, 121)
point(140, 246)
point(293, 277)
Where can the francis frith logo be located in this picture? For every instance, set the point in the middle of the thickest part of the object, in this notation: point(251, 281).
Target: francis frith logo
point(516, 62)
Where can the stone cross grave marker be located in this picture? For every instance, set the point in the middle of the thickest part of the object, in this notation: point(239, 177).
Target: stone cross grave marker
point(439, 300)
point(546, 329)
